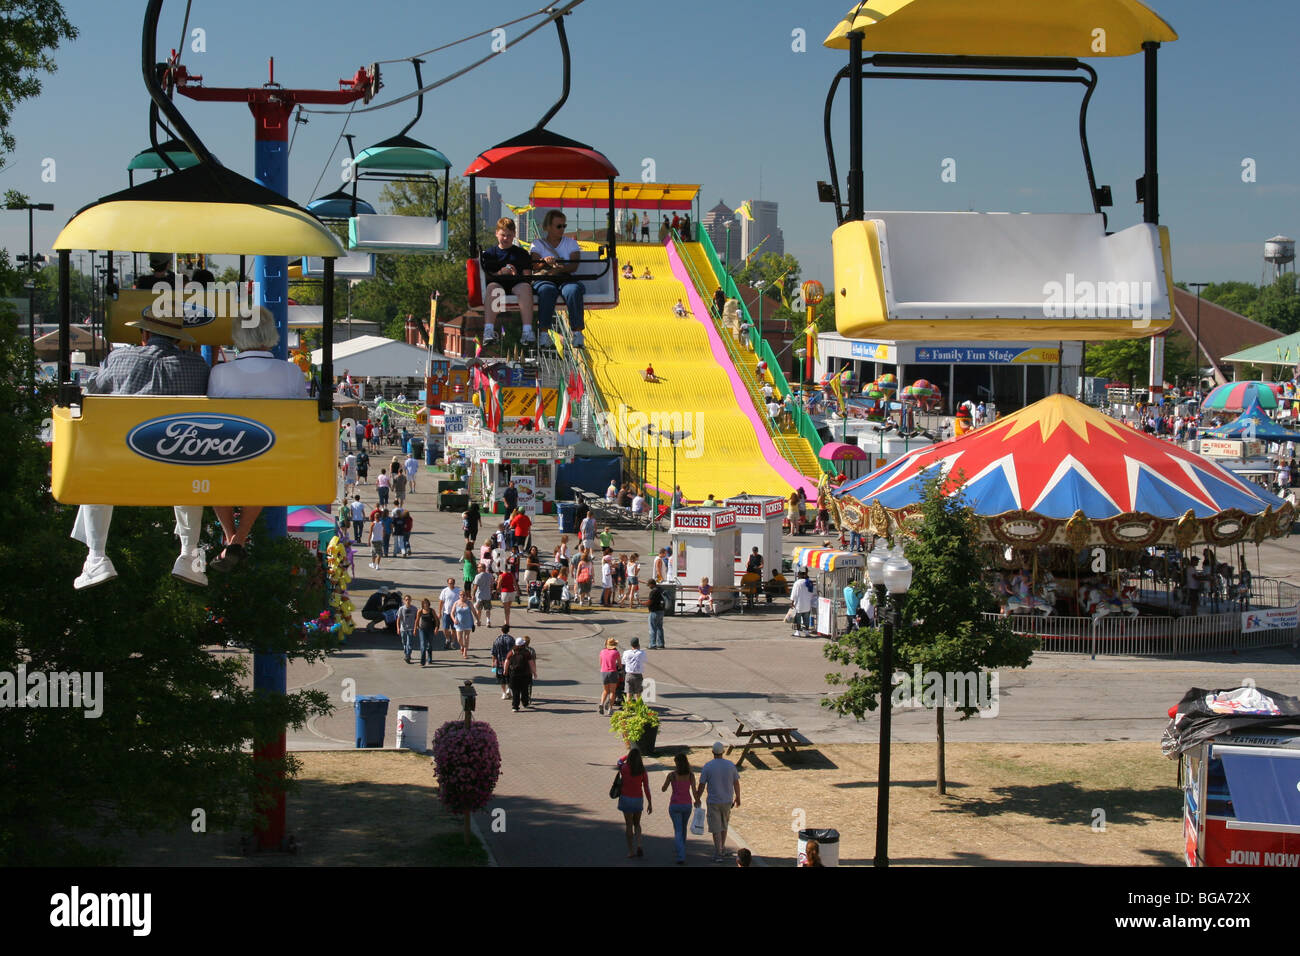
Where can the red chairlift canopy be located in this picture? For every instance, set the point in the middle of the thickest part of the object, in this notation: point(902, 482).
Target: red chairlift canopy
point(541, 154)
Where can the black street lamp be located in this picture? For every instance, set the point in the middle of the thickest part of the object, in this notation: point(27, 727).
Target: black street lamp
point(675, 438)
point(31, 208)
point(1199, 286)
point(890, 573)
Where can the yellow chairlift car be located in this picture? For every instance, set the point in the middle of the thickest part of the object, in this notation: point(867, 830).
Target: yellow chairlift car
point(172, 450)
point(981, 275)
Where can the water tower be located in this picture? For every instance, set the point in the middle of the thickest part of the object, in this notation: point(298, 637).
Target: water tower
point(1279, 252)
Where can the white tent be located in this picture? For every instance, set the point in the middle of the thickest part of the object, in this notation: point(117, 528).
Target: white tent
point(376, 356)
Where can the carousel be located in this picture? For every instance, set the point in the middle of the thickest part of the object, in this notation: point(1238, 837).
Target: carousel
point(1084, 519)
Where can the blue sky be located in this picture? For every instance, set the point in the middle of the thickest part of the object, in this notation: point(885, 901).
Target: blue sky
point(715, 95)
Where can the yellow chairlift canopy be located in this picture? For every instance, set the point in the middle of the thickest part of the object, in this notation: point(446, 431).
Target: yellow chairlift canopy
point(1041, 28)
point(595, 195)
point(209, 209)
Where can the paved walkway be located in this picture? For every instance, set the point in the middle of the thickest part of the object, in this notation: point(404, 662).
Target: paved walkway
point(558, 758)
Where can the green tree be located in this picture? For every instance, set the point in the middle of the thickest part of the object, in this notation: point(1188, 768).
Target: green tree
point(944, 628)
point(175, 718)
point(404, 283)
point(1237, 296)
point(772, 269)
point(1278, 305)
point(30, 32)
point(1129, 360)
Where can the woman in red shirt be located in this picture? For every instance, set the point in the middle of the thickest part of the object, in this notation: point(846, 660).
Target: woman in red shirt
point(521, 526)
point(636, 782)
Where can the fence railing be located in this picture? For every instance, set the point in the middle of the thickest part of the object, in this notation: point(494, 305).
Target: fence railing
point(762, 350)
point(1151, 636)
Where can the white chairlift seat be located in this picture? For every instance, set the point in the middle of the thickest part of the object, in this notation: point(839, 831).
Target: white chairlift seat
point(599, 292)
point(962, 275)
point(397, 234)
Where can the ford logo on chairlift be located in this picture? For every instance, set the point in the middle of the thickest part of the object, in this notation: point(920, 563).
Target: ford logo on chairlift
point(193, 313)
point(200, 439)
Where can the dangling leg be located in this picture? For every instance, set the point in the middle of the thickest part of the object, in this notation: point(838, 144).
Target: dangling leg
point(91, 529)
point(191, 563)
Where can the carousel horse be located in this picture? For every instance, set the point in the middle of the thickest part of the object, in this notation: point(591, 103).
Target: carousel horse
point(1099, 601)
point(1019, 598)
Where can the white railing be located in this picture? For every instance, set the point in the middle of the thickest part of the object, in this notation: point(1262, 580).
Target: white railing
point(1146, 635)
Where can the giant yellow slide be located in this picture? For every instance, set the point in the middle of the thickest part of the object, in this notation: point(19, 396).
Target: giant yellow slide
point(695, 389)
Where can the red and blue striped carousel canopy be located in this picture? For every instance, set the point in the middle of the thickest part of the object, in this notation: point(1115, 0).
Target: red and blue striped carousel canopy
point(1057, 457)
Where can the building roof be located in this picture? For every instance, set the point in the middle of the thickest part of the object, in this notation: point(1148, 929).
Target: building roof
point(1279, 351)
point(374, 355)
point(595, 195)
point(1222, 331)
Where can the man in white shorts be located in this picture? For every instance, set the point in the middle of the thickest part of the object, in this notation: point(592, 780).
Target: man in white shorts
point(506, 585)
point(722, 781)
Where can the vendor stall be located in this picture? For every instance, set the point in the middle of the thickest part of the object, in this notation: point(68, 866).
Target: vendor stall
point(704, 541)
point(1239, 767)
point(831, 571)
point(758, 518)
point(529, 459)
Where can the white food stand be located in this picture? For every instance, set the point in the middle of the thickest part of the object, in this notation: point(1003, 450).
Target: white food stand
point(758, 518)
point(704, 543)
point(529, 458)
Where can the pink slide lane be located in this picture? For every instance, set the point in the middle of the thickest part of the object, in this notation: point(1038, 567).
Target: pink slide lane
point(701, 314)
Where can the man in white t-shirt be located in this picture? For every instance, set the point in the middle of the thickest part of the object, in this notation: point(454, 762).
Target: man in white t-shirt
point(349, 473)
point(638, 504)
point(448, 598)
point(411, 466)
point(557, 254)
point(358, 512)
point(634, 667)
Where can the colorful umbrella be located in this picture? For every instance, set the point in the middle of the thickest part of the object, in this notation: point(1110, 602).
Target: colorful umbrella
point(1253, 424)
point(1235, 396)
point(1058, 457)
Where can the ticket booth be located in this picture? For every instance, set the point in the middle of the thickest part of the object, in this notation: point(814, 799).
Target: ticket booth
point(831, 571)
point(758, 520)
point(704, 543)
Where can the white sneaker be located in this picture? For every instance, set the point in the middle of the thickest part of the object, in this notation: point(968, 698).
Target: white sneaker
point(184, 568)
point(95, 572)
point(488, 335)
point(505, 695)
point(529, 338)
point(577, 340)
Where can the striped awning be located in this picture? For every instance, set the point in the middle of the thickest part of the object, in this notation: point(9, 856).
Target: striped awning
point(827, 559)
point(595, 195)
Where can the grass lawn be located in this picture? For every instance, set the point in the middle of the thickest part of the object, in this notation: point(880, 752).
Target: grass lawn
point(1007, 804)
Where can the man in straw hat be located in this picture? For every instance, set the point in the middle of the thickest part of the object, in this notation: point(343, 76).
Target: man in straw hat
point(155, 367)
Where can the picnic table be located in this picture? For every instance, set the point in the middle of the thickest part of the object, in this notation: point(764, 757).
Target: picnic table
point(762, 728)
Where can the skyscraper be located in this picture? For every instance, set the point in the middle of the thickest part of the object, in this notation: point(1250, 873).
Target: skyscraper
point(752, 232)
point(489, 206)
point(715, 221)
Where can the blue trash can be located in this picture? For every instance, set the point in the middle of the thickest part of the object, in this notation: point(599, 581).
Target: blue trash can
point(566, 511)
point(372, 713)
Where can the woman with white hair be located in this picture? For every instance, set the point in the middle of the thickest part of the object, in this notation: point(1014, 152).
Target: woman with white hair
point(254, 373)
